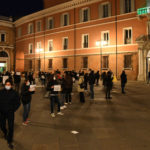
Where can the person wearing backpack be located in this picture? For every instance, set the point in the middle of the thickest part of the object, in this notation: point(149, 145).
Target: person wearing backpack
point(81, 87)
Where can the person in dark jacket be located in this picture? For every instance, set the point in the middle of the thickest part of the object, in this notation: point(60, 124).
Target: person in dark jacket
point(68, 83)
point(108, 84)
point(17, 80)
point(54, 95)
point(91, 83)
point(97, 76)
point(123, 77)
point(9, 103)
point(26, 96)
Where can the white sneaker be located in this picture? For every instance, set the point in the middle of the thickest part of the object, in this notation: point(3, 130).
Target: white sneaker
point(52, 114)
point(60, 113)
point(65, 106)
point(66, 103)
point(62, 107)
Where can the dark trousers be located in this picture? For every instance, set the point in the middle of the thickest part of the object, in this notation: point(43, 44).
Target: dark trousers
point(82, 99)
point(68, 96)
point(26, 111)
point(108, 92)
point(92, 91)
point(7, 117)
point(17, 85)
point(54, 99)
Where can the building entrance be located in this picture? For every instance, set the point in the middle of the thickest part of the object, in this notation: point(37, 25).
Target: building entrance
point(3, 61)
point(3, 66)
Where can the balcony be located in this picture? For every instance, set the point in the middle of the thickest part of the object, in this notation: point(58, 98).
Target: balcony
point(143, 11)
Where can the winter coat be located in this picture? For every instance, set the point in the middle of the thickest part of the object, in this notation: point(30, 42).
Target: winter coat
point(123, 79)
point(26, 95)
point(50, 84)
point(91, 79)
point(108, 81)
point(81, 80)
point(68, 83)
point(9, 100)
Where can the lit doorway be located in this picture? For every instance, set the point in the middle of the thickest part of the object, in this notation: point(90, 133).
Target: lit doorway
point(3, 67)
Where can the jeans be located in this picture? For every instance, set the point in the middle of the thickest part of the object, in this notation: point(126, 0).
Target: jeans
point(26, 111)
point(9, 117)
point(54, 99)
point(68, 96)
point(92, 91)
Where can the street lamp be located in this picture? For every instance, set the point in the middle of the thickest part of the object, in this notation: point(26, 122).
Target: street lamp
point(101, 44)
point(38, 50)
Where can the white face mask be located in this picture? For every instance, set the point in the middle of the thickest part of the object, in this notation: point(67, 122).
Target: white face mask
point(7, 87)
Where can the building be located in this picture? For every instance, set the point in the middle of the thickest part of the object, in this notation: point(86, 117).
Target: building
point(82, 34)
point(7, 44)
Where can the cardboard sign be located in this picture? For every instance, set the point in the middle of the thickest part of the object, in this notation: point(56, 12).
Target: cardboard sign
point(57, 88)
point(5, 78)
point(18, 73)
point(32, 87)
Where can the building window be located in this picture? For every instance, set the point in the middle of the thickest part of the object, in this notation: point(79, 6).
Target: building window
point(105, 62)
point(2, 37)
point(30, 48)
point(105, 10)
point(30, 64)
point(50, 45)
point(85, 40)
point(127, 36)
point(39, 45)
point(19, 32)
point(65, 63)
point(105, 37)
point(30, 28)
point(38, 26)
point(84, 14)
point(64, 19)
point(65, 43)
point(127, 61)
point(50, 23)
point(50, 63)
point(127, 6)
point(85, 62)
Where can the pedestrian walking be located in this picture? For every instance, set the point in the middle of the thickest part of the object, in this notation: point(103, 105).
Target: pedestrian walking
point(123, 77)
point(53, 87)
point(26, 96)
point(81, 87)
point(9, 103)
point(97, 76)
point(108, 85)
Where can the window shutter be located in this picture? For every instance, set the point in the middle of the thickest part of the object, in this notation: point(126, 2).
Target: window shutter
point(133, 5)
point(89, 14)
point(109, 9)
point(80, 15)
point(100, 10)
point(68, 20)
point(121, 6)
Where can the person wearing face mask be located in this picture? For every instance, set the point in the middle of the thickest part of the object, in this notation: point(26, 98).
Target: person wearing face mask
point(26, 96)
point(9, 103)
point(54, 95)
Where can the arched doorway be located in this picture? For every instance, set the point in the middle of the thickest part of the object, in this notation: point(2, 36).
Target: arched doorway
point(3, 61)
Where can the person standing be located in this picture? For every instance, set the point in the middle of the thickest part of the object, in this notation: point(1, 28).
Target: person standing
point(54, 95)
point(80, 88)
point(97, 76)
point(9, 103)
point(123, 77)
point(108, 85)
point(26, 96)
point(91, 83)
point(17, 80)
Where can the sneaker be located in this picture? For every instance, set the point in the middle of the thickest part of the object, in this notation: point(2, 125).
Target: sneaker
point(66, 103)
point(65, 106)
point(52, 114)
point(10, 145)
point(25, 123)
point(60, 113)
point(28, 120)
point(62, 107)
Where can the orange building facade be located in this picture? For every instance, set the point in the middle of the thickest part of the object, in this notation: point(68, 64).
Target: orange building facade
point(81, 35)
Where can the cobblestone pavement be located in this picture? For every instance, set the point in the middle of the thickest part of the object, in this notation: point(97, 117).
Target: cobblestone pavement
point(121, 124)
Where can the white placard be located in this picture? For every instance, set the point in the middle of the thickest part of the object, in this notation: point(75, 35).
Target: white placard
point(5, 78)
point(32, 87)
point(18, 73)
point(57, 88)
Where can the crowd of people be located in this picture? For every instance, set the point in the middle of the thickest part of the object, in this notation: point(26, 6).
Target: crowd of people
point(59, 87)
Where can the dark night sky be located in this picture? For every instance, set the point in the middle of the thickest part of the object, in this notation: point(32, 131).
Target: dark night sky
point(19, 8)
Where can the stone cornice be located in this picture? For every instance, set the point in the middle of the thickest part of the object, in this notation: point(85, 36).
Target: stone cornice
point(53, 10)
point(6, 23)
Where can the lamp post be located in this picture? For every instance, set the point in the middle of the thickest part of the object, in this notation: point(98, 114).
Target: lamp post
point(38, 50)
point(101, 44)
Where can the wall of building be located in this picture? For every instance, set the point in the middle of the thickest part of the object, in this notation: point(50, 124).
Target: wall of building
point(74, 32)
